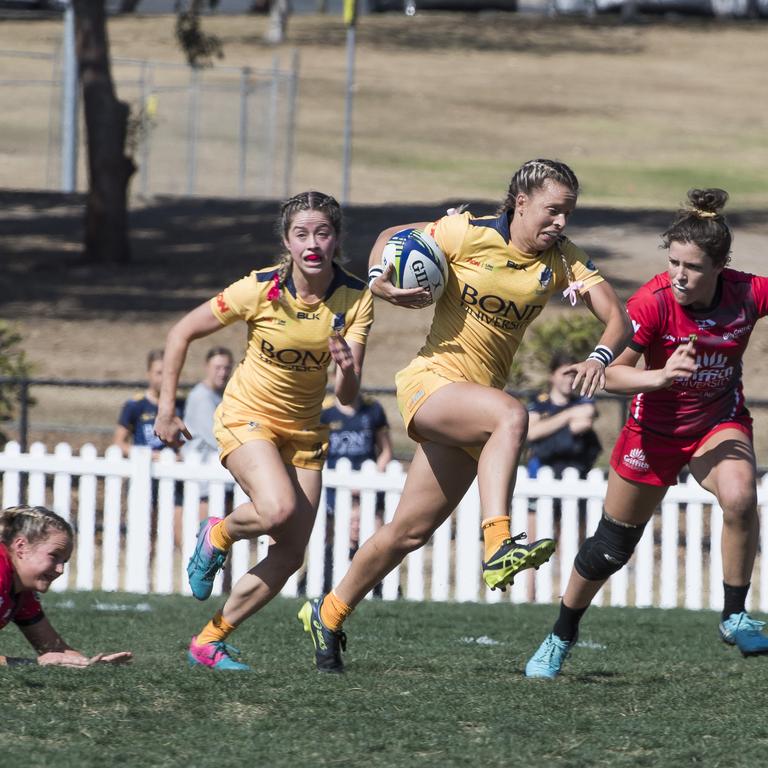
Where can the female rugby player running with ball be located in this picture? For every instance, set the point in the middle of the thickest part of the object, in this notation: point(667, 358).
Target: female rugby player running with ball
point(301, 314)
point(503, 270)
point(692, 324)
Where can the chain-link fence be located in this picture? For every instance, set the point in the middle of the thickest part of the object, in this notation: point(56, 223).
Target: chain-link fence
point(227, 131)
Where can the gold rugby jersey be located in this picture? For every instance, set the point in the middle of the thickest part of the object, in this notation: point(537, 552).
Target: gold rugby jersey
point(493, 294)
point(285, 369)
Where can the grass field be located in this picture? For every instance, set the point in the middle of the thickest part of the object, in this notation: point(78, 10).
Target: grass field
point(426, 685)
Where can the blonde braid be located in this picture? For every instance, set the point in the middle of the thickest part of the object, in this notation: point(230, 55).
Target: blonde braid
point(33, 523)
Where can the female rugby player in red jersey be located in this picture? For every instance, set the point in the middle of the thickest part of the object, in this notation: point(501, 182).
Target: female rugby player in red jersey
point(35, 543)
point(692, 324)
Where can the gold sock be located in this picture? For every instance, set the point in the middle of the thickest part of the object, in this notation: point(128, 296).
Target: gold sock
point(217, 629)
point(495, 531)
point(333, 611)
point(220, 538)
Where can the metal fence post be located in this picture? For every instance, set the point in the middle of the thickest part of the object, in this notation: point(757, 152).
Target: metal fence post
point(192, 118)
point(242, 166)
point(69, 105)
point(272, 125)
point(146, 79)
point(290, 129)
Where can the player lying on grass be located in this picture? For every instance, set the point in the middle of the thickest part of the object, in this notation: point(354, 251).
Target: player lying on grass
point(35, 543)
point(503, 271)
point(692, 325)
point(302, 314)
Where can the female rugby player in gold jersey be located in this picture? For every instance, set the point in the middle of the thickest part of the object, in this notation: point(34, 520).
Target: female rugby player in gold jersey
point(301, 314)
point(503, 270)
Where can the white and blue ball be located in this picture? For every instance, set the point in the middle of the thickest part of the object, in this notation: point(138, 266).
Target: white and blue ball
point(418, 262)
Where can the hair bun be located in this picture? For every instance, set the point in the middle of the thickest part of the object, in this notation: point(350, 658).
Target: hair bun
point(711, 200)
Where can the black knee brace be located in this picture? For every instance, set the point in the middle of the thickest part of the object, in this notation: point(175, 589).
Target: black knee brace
point(608, 550)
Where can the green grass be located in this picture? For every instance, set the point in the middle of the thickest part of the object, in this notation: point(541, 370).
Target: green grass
point(649, 687)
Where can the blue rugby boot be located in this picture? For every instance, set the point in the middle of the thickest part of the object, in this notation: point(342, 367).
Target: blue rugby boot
point(741, 630)
point(206, 561)
point(328, 644)
point(512, 557)
point(548, 660)
point(215, 656)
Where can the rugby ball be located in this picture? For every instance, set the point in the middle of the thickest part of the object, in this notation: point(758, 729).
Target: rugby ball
point(418, 262)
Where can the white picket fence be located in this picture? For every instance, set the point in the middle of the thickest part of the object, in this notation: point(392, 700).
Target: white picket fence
point(108, 499)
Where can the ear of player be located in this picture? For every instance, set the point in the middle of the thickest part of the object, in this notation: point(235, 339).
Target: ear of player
point(418, 262)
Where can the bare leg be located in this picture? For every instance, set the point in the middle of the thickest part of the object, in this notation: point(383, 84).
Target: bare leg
point(265, 580)
point(725, 466)
point(437, 480)
point(470, 415)
point(261, 473)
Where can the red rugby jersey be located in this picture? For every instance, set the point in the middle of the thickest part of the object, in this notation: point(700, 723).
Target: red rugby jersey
point(21, 607)
point(714, 394)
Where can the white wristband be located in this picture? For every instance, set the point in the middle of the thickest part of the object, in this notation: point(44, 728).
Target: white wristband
point(374, 273)
point(602, 354)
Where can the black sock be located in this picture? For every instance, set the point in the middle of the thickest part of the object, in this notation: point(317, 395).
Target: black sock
point(567, 624)
point(734, 599)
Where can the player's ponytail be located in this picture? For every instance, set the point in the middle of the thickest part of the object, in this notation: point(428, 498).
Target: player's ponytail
point(702, 223)
point(33, 523)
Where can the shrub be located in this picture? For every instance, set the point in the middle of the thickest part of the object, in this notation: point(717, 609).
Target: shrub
point(13, 364)
point(574, 332)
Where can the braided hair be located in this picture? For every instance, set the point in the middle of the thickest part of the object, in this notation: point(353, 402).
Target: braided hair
point(532, 175)
point(33, 523)
point(702, 223)
point(305, 201)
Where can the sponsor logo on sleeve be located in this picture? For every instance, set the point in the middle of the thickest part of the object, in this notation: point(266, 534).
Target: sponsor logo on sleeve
point(222, 305)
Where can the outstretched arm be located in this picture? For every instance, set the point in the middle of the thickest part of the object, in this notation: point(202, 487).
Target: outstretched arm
point(623, 378)
point(604, 304)
point(54, 651)
point(194, 325)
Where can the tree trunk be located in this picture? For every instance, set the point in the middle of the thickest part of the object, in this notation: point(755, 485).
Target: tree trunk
point(106, 125)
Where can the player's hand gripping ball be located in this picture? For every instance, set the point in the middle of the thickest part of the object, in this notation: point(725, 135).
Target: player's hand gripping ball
point(418, 262)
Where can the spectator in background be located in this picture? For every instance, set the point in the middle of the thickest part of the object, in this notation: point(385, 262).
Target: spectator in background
point(136, 426)
point(560, 423)
point(199, 408)
point(358, 432)
point(136, 423)
point(561, 435)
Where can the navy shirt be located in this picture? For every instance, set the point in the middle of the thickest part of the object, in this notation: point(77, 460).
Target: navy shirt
point(138, 417)
point(562, 449)
point(354, 437)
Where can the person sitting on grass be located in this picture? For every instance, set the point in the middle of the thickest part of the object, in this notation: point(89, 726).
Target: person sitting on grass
point(35, 543)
